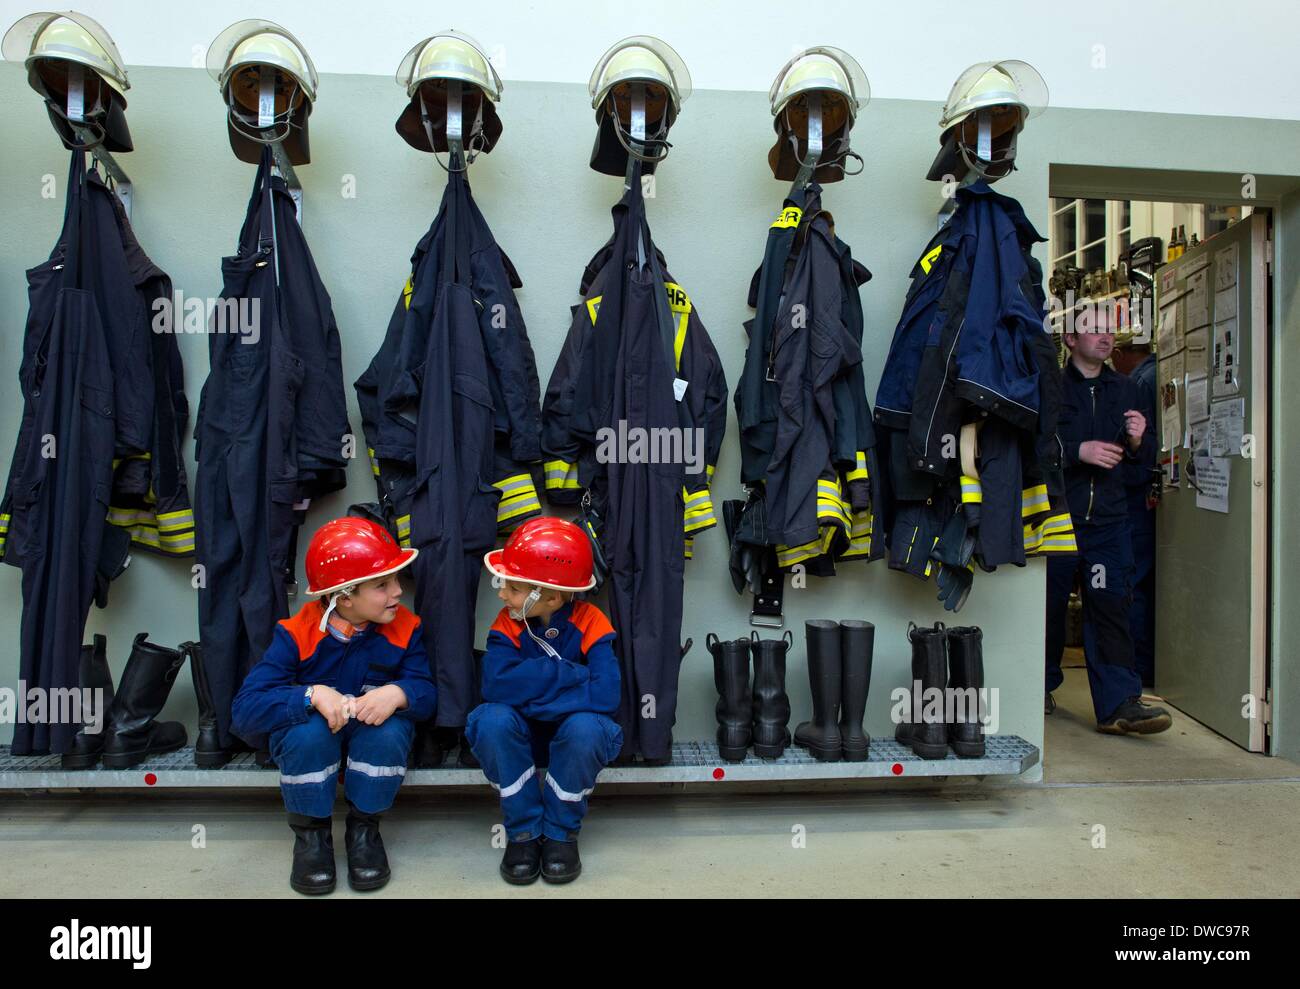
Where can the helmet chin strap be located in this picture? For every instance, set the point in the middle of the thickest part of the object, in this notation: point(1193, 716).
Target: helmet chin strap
point(534, 596)
point(334, 600)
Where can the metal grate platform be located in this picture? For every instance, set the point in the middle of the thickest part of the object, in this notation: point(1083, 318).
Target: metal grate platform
point(693, 762)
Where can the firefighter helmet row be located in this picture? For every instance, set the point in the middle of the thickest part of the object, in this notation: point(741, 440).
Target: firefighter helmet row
point(637, 90)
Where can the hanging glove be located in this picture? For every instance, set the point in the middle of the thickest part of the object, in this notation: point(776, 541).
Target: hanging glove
point(954, 585)
point(953, 551)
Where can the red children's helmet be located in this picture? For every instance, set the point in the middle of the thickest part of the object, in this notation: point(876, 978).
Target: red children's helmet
point(547, 552)
point(349, 550)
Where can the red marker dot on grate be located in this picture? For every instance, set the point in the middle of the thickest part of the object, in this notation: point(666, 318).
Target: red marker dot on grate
point(898, 769)
point(150, 779)
point(719, 773)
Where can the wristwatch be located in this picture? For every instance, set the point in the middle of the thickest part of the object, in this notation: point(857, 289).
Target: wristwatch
point(307, 696)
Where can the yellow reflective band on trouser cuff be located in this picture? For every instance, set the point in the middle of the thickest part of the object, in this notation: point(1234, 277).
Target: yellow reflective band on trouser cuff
point(1033, 501)
point(859, 471)
point(971, 491)
point(518, 497)
point(561, 474)
point(788, 217)
point(859, 535)
point(699, 511)
point(690, 547)
point(788, 556)
point(374, 461)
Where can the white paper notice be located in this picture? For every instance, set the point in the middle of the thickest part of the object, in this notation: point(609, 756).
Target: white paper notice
point(1225, 267)
point(1212, 483)
point(1227, 425)
point(1225, 303)
point(1198, 396)
point(1166, 329)
point(1225, 357)
point(1171, 414)
point(1198, 299)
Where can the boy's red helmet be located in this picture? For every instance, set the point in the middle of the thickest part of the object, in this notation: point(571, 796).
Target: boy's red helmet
point(547, 552)
point(349, 550)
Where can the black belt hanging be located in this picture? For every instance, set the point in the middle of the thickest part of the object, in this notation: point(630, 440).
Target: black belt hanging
point(766, 611)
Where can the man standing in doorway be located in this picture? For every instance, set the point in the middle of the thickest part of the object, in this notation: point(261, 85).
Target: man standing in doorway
point(1101, 429)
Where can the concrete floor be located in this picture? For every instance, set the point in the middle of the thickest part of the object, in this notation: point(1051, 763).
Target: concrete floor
point(1182, 814)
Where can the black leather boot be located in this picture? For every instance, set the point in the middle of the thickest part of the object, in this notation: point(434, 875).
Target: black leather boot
point(821, 735)
point(522, 862)
point(560, 861)
point(735, 709)
point(147, 679)
point(367, 860)
point(208, 753)
point(94, 673)
point(966, 673)
point(929, 666)
point(857, 643)
point(313, 854)
point(771, 704)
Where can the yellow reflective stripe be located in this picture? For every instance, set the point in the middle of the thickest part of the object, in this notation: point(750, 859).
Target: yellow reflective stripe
point(859, 472)
point(149, 535)
point(788, 217)
point(709, 469)
point(1033, 500)
point(561, 474)
point(679, 340)
point(408, 289)
point(690, 547)
point(593, 307)
point(515, 483)
point(929, 257)
point(788, 556)
point(971, 491)
point(507, 512)
point(403, 525)
point(374, 461)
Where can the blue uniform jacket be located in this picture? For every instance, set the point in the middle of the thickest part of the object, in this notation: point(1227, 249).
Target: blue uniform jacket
point(970, 330)
point(301, 654)
point(585, 678)
point(1093, 409)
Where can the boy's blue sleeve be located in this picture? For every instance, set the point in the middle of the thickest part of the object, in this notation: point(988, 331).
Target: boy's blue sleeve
point(416, 681)
point(604, 685)
point(271, 696)
point(528, 683)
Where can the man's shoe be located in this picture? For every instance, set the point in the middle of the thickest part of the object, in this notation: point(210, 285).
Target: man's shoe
point(1049, 703)
point(367, 859)
point(522, 862)
point(1135, 718)
point(313, 855)
point(560, 861)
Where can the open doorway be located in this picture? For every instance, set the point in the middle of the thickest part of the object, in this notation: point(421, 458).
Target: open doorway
point(1187, 289)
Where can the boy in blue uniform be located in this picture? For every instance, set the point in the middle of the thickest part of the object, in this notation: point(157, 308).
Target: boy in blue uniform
point(342, 683)
point(550, 683)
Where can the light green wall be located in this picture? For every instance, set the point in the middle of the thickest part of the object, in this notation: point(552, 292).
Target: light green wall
point(714, 201)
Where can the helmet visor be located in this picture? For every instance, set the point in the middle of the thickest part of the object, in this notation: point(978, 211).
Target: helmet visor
point(20, 40)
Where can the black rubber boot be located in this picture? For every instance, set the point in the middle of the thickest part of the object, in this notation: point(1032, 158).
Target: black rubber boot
point(821, 735)
point(147, 679)
point(560, 861)
point(857, 644)
point(771, 703)
point(208, 753)
point(966, 673)
point(367, 860)
point(94, 673)
point(313, 855)
point(735, 709)
point(522, 862)
point(930, 666)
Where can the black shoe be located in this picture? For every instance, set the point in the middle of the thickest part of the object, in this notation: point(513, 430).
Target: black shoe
point(466, 758)
point(522, 862)
point(930, 667)
point(147, 678)
point(1049, 703)
point(560, 861)
point(367, 860)
point(95, 674)
point(1135, 718)
point(313, 855)
point(427, 751)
